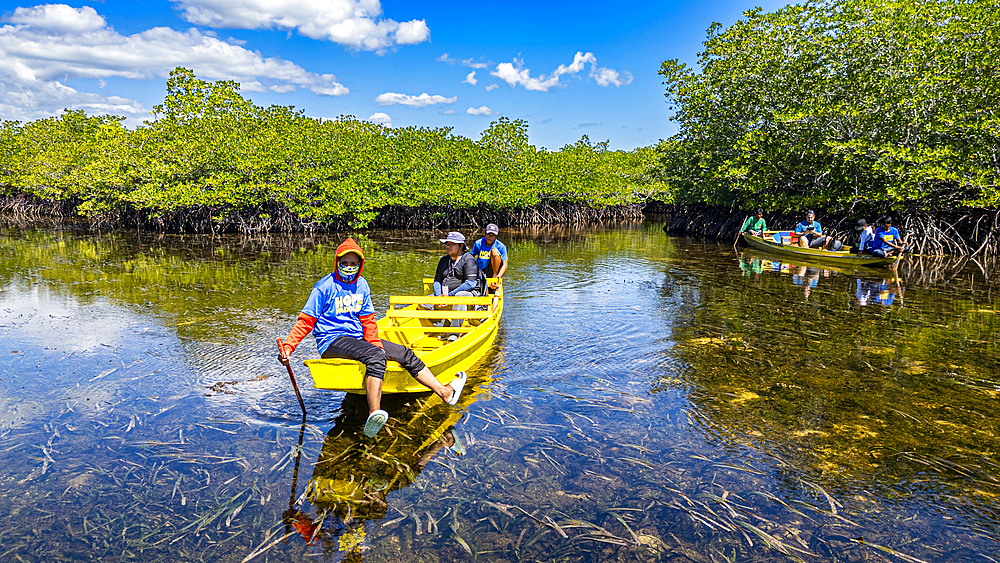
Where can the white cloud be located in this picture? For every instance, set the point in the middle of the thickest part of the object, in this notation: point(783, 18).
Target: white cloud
point(44, 44)
point(282, 88)
point(26, 100)
point(606, 76)
point(59, 17)
point(392, 98)
point(448, 112)
point(481, 110)
point(492, 87)
point(515, 73)
point(381, 118)
point(469, 63)
point(353, 23)
point(412, 32)
point(470, 79)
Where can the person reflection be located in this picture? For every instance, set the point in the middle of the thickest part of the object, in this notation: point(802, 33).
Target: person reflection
point(752, 267)
point(878, 293)
point(863, 291)
point(808, 278)
point(352, 476)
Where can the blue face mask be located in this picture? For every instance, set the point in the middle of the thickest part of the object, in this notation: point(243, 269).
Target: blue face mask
point(348, 272)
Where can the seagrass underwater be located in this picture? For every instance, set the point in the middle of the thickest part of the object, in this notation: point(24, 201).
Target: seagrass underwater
point(647, 399)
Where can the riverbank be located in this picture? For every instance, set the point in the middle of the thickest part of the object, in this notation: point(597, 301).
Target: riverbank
point(25, 211)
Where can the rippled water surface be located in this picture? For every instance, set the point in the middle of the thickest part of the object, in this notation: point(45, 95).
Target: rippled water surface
point(649, 399)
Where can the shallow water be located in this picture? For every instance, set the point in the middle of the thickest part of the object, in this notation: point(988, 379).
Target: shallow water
point(649, 399)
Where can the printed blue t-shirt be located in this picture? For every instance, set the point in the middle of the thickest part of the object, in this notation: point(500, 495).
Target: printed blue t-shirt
point(802, 226)
point(882, 235)
point(481, 253)
point(336, 306)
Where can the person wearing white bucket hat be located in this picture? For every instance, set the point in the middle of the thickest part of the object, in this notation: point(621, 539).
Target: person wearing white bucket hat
point(457, 273)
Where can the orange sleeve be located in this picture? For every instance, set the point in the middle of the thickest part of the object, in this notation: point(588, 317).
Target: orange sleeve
point(371, 330)
point(301, 329)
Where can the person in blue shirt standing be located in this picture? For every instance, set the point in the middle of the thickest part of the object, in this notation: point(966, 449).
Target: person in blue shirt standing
point(811, 233)
point(888, 241)
point(490, 254)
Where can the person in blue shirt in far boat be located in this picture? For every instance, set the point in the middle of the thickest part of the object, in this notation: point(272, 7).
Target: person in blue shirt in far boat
point(340, 314)
point(490, 254)
point(811, 233)
point(755, 225)
point(865, 237)
point(888, 241)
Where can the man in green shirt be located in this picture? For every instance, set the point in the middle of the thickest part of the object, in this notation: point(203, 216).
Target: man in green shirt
point(755, 225)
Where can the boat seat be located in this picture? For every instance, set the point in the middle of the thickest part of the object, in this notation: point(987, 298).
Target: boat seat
point(434, 314)
point(785, 237)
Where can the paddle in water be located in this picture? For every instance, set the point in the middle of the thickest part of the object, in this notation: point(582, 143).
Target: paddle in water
point(288, 366)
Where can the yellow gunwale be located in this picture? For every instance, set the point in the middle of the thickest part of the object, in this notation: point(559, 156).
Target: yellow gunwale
point(412, 326)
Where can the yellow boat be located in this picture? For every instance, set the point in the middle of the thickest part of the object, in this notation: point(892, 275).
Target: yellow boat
point(413, 326)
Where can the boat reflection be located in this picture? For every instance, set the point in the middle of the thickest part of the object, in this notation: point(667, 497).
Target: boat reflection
point(806, 276)
point(885, 291)
point(353, 474)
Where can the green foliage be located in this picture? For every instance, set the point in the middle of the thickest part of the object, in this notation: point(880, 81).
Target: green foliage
point(211, 150)
point(832, 102)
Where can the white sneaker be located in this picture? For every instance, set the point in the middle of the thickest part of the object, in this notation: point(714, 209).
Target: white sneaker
point(452, 337)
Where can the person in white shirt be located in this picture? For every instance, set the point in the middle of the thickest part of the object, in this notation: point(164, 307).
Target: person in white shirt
point(865, 237)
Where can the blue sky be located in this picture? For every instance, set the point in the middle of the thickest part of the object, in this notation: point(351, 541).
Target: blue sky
point(568, 68)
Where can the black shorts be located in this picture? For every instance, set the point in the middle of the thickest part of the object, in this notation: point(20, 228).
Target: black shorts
point(369, 354)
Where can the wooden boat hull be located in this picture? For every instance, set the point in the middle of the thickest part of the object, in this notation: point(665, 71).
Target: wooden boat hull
point(844, 258)
point(413, 326)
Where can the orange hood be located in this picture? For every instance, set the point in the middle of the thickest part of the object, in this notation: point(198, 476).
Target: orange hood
point(347, 247)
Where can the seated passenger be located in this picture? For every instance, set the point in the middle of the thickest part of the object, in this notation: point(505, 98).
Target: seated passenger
point(865, 237)
point(340, 314)
point(888, 241)
point(811, 233)
point(755, 225)
point(457, 274)
point(490, 254)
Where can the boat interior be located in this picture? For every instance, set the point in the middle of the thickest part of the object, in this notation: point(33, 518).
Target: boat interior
point(423, 322)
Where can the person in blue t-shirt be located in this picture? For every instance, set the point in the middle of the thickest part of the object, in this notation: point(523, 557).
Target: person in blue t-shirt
point(490, 254)
point(888, 241)
point(340, 314)
point(811, 233)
